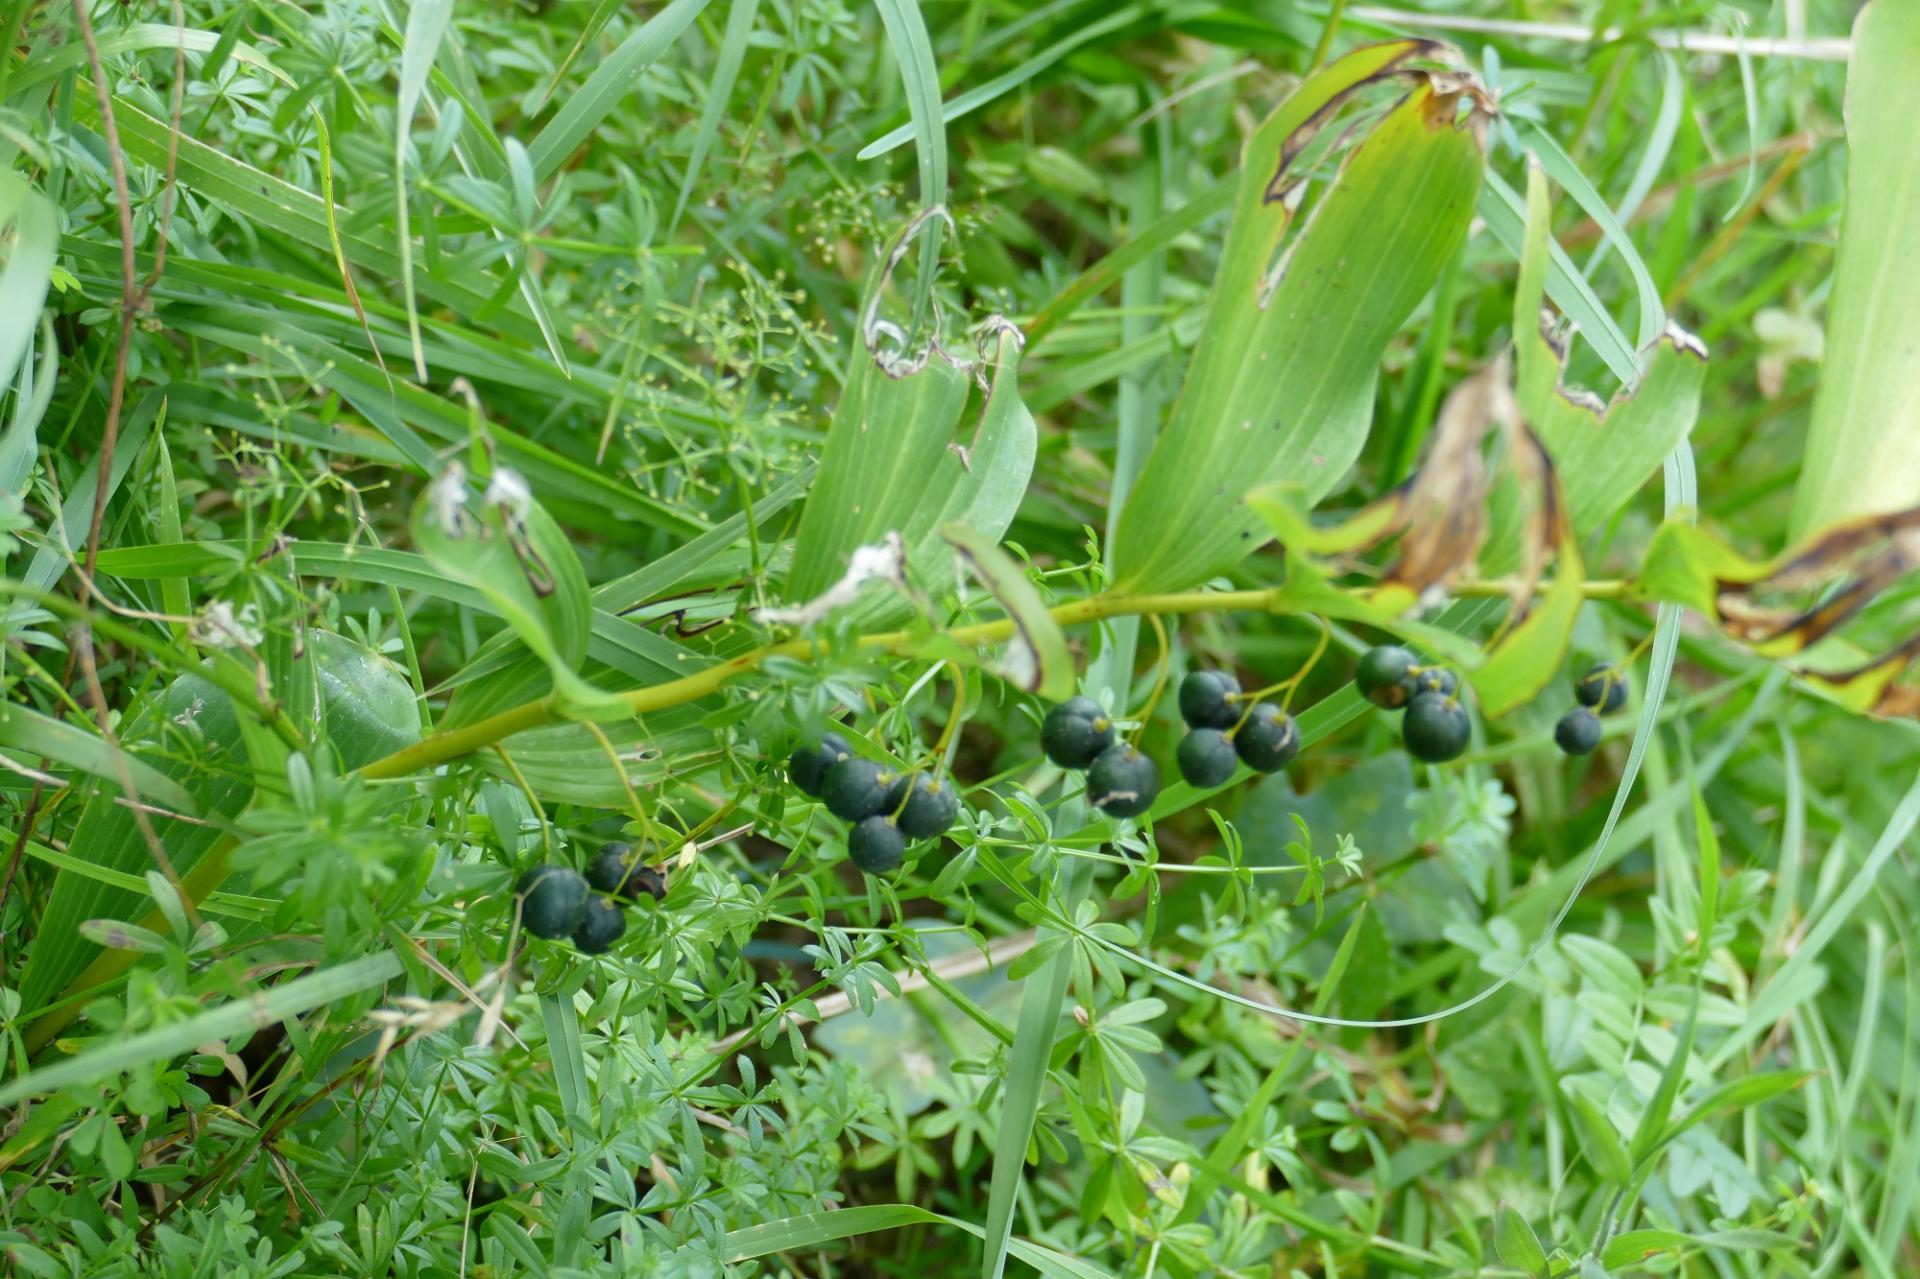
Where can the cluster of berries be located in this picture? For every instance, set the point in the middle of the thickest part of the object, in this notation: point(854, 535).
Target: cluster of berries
point(1121, 781)
point(1601, 691)
point(558, 902)
point(1436, 727)
point(1222, 735)
point(887, 809)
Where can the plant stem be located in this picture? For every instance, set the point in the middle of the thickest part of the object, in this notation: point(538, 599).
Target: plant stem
point(1606, 588)
point(454, 743)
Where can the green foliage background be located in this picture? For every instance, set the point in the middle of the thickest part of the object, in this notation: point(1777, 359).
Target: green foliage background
point(633, 262)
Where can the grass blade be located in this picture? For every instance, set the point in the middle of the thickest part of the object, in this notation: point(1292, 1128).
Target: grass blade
point(920, 73)
point(28, 731)
point(1775, 999)
point(610, 82)
point(726, 70)
point(810, 1230)
point(301, 995)
point(1001, 85)
point(426, 26)
point(1027, 1061)
point(1505, 214)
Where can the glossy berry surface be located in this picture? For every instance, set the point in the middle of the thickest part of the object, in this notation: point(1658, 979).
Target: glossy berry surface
point(1075, 732)
point(877, 845)
point(930, 805)
point(617, 870)
point(1206, 700)
point(1436, 679)
point(1603, 688)
point(1206, 757)
point(1268, 740)
point(1437, 728)
point(808, 765)
point(855, 788)
point(553, 900)
point(601, 926)
point(1385, 676)
point(610, 867)
point(1578, 731)
point(1123, 782)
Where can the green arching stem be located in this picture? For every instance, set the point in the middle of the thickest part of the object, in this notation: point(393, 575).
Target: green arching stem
point(543, 711)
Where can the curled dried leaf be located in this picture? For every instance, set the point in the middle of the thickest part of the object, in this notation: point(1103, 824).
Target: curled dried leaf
point(1449, 87)
point(1547, 526)
point(1872, 553)
point(1444, 508)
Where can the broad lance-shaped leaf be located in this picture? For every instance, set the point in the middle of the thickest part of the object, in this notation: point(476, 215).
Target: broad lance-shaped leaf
point(1863, 443)
point(895, 464)
point(1524, 659)
point(1281, 385)
point(1534, 516)
point(886, 440)
point(1451, 505)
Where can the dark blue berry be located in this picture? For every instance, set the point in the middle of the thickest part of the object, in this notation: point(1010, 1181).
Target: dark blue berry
point(1123, 782)
point(601, 926)
point(1578, 731)
point(1206, 700)
point(925, 806)
point(877, 845)
point(1075, 732)
point(617, 870)
point(1437, 728)
point(1603, 688)
point(808, 766)
point(1268, 740)
point(1206, 758)
point(553, 900)
point(856, 788)
point(1385, 676)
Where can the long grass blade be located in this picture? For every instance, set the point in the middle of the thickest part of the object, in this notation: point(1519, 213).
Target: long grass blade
point(163, 1043)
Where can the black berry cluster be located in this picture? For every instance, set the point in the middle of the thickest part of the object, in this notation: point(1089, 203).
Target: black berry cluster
point(888, 810)
point(557, 902)
point(1436, 727)
point(1121, 781)
point(1221, 735)
point(1601, 691)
